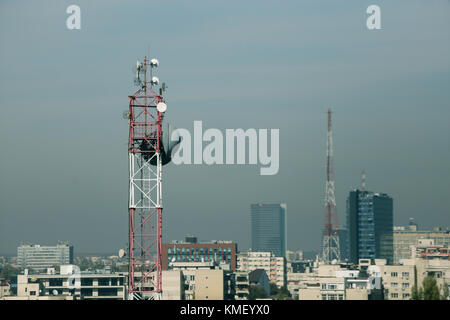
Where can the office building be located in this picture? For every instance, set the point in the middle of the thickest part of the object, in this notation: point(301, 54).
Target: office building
point(38, 258)
point(217, 251)
point(268, 228)
point(370, 226)
point(343, 243)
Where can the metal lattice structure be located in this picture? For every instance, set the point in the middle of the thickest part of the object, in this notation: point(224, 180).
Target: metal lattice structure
point(145, 152)
point(330, 244)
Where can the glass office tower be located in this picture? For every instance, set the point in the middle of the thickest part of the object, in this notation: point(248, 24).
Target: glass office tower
point(268, 228)
point(370, 226)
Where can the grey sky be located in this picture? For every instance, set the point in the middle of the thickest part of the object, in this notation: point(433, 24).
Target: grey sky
point(231, 64)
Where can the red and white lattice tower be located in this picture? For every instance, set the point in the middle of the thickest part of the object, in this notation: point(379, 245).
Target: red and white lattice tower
point(330, 242)
point(146, 157)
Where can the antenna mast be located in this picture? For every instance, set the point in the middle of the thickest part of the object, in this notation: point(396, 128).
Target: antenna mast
point(330, 242)
point(145, 153)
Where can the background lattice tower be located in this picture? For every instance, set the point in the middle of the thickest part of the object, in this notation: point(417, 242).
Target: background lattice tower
point(330, 242)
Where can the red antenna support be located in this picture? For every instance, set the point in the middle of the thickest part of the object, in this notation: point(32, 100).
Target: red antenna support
point(145, 186)
point(330, 241)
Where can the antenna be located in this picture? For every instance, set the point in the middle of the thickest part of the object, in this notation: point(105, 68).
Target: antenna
point(363, 180)
point(330, 242)
point(138, 69)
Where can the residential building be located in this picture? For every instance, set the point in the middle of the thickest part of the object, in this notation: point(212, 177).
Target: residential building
point(5, 288)
point(70, 285)
point(200, 281)
point(405, 237)
point(172, 285)
point(242, 285)
point(268, 228)
point(274, 266)
point(209, 284)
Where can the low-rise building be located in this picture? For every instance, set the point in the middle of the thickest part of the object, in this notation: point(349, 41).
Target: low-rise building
point(5, 288)
point(275, 267)
point(73, 286)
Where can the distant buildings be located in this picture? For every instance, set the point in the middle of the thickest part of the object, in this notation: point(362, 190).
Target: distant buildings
point(38, 258)
point(268, 228)
point(294, 255)
point(275, 267)
point(405, 237)
point(205, 251)
point(370, 226)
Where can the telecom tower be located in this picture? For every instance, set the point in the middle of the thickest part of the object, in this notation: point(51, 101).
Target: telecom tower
point(147, 156)
point(330, 243)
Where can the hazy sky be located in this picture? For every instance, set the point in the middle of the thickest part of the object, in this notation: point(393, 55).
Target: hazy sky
point(231, 64)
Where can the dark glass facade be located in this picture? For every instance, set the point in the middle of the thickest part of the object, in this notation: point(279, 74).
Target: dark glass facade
point(268, 228)
point(370, 226)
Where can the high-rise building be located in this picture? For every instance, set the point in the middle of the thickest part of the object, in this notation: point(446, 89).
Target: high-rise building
point(370, 226)
point(37, 257)
point(268, 228)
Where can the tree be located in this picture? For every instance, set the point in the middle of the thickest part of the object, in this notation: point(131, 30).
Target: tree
point(8, 272)
point(430, 289)
point(415, 293)
point(445, 293)
point(84, 264)
point(280, 293)
point(256, 292)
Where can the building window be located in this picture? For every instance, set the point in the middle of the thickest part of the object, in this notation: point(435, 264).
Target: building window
point(86, 282)
point(331, 287)
point(109, 292)
point(86, 292)
point(405, 285)
point(341, 297)
point(394, 295)
point(324, 297)
point(32, 293)
point(394, 285)
point(394, 274)
point(405, 274)
point(55, 282)
point(406, 296)
point(324, 286)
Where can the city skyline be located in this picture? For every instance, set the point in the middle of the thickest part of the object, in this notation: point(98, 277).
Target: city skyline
point(388, 91)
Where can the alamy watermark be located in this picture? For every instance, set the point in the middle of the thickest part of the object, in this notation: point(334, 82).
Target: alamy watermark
point(241, 147)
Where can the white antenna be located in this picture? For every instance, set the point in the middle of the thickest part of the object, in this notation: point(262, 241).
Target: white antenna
point(155, 81)
point(154, 63)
